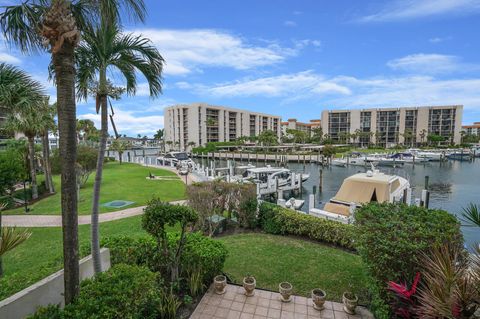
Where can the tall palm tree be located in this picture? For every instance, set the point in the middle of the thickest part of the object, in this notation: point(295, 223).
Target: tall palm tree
point(56, 24)
point(107, 49)
point(86, 127)
point(47, 114)
point(29, 123)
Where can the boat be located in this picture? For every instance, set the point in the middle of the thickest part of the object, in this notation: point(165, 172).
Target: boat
point(460, 155)
point(432, 156)
point(175, 159)
point(476, 150)
point(360, 189)
point(292, 203)
point(339, 162)
point(265, 175)
point(410, 158)
point(384, 160)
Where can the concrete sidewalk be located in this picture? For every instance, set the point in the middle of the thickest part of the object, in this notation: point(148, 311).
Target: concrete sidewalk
point(56, 220)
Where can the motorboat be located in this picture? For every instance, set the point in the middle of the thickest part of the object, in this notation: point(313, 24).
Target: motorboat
point(264, 176)
point(175, 159)
point(292, 203)
point(385, 160)
point(410, 158)
point(360, 189)
point(460, 155)
point(339, 162)
point(432, 156)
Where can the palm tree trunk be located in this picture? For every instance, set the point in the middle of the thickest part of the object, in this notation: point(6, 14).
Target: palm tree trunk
point(46, 163)
point(95, 239)
point(64, 64)
point(33, 172)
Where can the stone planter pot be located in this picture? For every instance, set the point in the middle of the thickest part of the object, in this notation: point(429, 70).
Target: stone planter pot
point(318, 297)
point(219, 283)
point(350, 302)
point(285, 289)
point(249, 284)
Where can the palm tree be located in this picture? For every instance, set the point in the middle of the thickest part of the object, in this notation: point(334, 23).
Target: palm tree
point(29, 123)
point(47, 124)
point(471, 215)
point(107, 49)
point(423, 134)
point(159, 135)
point(86, 127)
point(33, 26)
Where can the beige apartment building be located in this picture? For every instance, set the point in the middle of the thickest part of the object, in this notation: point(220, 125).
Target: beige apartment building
point(473, 129)
point(190, 125)
point(293, 124)
point(392, 126)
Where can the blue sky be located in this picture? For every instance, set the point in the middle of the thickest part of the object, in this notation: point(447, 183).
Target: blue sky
point(297, 58)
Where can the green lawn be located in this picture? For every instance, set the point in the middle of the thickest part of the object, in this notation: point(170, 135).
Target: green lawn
point(41, 254)
point(120, 182)
point(306, 265)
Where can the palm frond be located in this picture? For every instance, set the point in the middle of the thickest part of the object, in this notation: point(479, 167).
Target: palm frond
point(113, 10)
point(471, 215)
point(9, 239)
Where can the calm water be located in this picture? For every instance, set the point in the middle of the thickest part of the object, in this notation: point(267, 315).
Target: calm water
point(452, 184)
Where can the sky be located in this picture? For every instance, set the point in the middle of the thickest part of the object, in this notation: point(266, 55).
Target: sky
point(297, 58)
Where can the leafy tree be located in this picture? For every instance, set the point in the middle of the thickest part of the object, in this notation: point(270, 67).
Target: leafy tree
point(435, 139)
point(86, 163)
point(268, 138)
point(12, 170)
point(86, 130)
point(329, 151)
point(119, 146)
point(317, 135)
point(158, 215)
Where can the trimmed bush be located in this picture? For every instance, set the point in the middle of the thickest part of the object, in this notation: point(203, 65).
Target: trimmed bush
point(278, 220)
point(203, 252)
point(391, 238)
point(122, 292)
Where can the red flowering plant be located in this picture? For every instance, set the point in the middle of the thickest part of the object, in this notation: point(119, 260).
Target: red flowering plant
point(404, 301)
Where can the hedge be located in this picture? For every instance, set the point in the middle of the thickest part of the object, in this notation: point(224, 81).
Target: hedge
point(124, 291)
point(204, 252)
point(390, 238)
point(274, 219)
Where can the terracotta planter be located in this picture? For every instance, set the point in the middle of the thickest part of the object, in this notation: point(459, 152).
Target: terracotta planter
point(249, 284)
point(285, 289)
point(350, 303)
point(220, 282)
point(318, 297)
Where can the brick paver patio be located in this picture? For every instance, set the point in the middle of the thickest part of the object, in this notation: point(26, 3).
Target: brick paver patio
point(266, 304)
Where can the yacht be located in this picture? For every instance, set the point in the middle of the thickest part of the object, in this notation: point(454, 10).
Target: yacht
point(430, 155)
point(360, 189)
point(265, 175)
point(175, 159)
point(385, 160)
point(410, 158)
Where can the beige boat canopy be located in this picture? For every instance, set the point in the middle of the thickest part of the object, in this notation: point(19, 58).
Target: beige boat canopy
point(361, 188)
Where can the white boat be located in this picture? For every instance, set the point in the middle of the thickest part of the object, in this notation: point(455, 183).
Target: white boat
point(433, 156)
point(293, 203)
point(384, 160)
point(339, 162)
point(360, 189)
point(265, 175)
point(175, 159)
point(410, 158)
point(358, 161)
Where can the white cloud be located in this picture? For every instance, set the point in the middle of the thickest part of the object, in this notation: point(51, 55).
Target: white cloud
point(187, 51)
point(430, 64)
point(290, 23)
point(8, 58)
point(409, 90)
point(411, 9)
point(127, 122)
point(302, 83)
point(439, 39)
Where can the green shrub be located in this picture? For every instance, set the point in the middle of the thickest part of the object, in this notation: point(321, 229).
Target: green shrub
point(391, 237)
point(277, 220)
point(123, 292)
point(200, 253)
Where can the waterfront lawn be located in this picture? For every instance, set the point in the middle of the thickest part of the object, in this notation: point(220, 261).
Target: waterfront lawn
point(120, 182)
point(41, 255)
point(306, 265)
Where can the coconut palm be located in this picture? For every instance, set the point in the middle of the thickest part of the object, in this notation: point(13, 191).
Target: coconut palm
point(87, 127)
point(107, 49)
point(46, 117)
point(56, 25)
point(18, 91)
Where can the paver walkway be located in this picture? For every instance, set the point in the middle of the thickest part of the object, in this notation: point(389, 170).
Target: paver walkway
point(56, 220)
point(266, 304)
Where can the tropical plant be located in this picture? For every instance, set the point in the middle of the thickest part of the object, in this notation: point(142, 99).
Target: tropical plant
point(471, 215)
point(160, 136)
point(404, 301)
point(105, 49)
point(423, 135)
point(158, 215)
point(119, 146)
point(268, 138)
point(450, 283)
point(9, 239)
point(12, 169)
point(85, 129)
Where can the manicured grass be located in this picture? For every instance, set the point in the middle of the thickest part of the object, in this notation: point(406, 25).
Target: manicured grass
point(306, 265)
point(120, 182)
point(41, 255)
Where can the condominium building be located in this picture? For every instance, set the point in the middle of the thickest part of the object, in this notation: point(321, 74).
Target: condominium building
point(391, 126)
point(293, 124)
point(190, 125)
point(3, 116)
point(473, 129)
